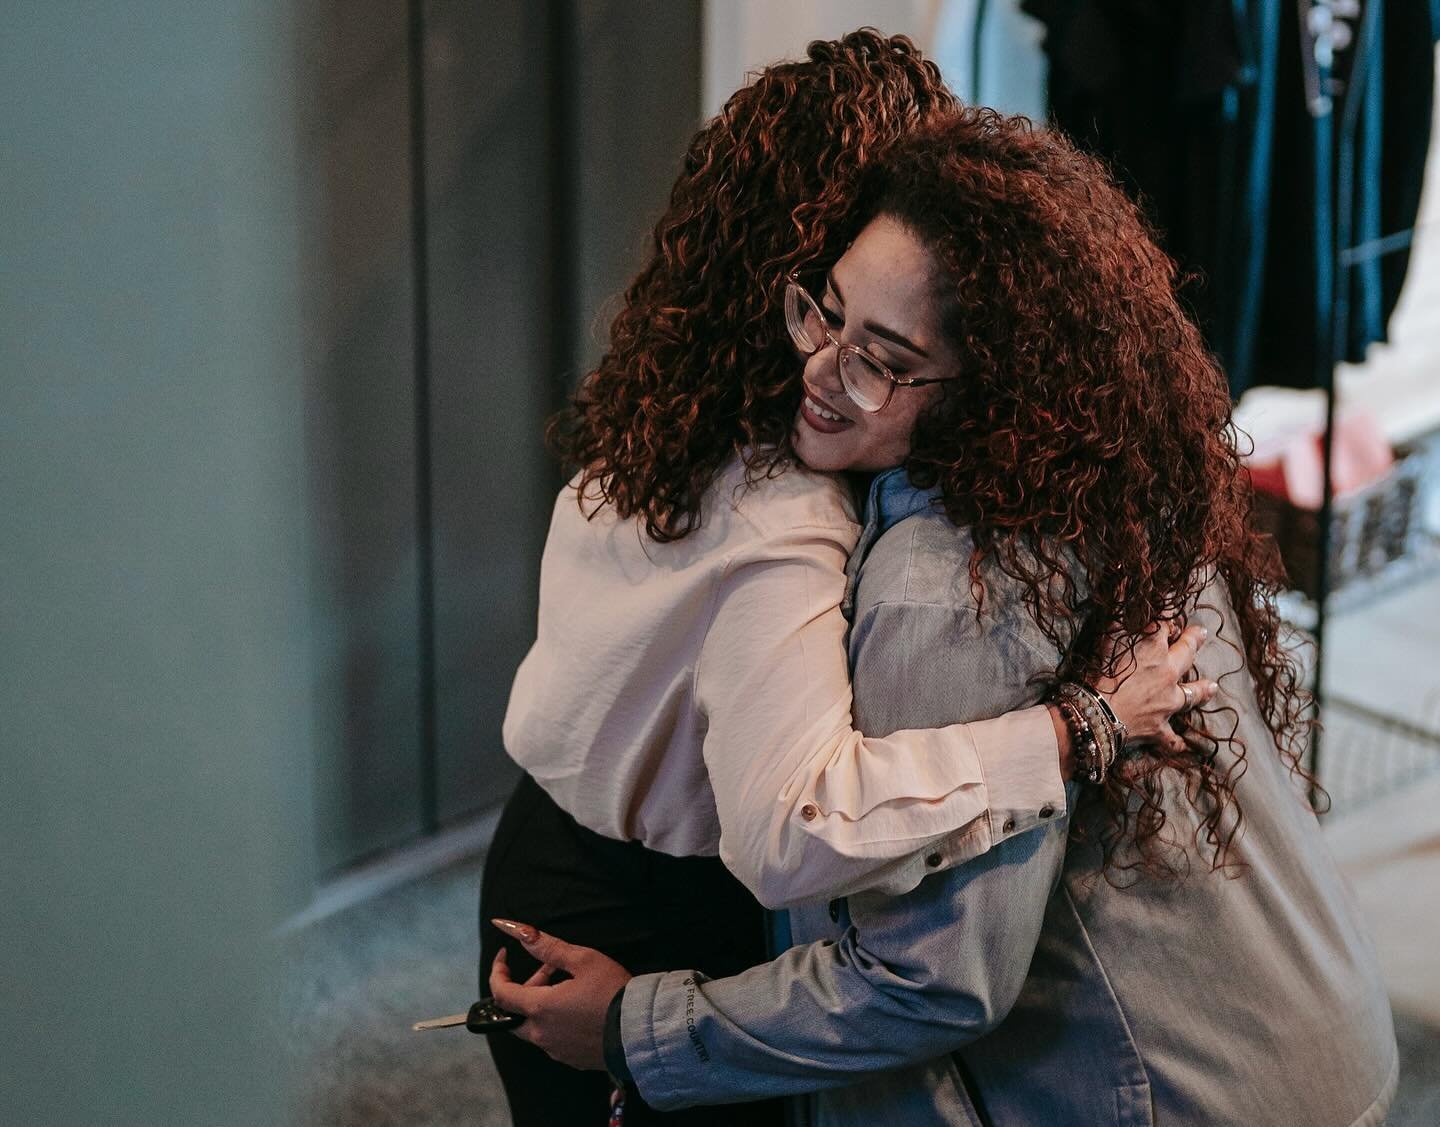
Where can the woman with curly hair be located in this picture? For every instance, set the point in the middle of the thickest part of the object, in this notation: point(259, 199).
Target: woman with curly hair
point(688, 693)
point(1176, 945)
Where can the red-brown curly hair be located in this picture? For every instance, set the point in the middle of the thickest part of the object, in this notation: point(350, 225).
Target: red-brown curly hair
point(1088, 444)
point(699, 367)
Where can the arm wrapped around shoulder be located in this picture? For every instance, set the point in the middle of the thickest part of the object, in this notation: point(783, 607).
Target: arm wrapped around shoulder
point(809, 807)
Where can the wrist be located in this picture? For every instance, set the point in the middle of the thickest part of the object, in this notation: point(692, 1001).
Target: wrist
point(1095, 731)
point(1064, 741)
point(614, 1043)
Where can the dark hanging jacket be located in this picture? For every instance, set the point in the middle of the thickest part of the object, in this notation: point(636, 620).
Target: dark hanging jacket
point(1201, 110)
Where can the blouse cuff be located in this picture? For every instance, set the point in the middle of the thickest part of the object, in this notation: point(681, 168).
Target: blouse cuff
point(1020, 759)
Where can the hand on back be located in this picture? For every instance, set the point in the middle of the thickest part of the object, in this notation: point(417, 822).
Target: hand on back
point(1152, 684)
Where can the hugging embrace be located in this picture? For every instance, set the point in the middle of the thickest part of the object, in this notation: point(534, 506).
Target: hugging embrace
point(906, 582)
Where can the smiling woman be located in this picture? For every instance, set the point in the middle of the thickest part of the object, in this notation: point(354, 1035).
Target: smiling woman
point(875, 353)
point(1135, 957)
point(687, 700)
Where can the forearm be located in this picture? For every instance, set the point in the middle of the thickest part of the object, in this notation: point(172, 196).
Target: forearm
point(1063, 742)
point(880, 814)
point(913, 977)
point(809, 806)
point(684, 1043)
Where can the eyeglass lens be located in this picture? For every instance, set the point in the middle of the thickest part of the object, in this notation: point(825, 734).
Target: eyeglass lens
point(864, 381)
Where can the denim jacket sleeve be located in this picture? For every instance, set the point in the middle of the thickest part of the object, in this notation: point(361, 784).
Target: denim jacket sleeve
point(912, 976)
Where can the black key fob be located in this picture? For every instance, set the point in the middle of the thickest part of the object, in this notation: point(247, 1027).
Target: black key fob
point(486, 1017)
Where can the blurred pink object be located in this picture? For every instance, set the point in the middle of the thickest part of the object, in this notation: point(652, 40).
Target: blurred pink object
point(1295, 468)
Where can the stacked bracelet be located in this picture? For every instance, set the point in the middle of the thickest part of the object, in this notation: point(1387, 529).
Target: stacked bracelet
point(1096, 732)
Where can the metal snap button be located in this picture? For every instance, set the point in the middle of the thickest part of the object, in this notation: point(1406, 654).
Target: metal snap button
point(808, 812)
point(933, 860)
point(1009, 826)
point(1047, 810)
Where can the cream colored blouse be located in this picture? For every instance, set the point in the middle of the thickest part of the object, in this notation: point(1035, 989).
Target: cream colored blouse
point(695, 696)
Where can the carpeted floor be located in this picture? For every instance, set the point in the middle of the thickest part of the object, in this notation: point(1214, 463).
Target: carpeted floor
point(359, 980)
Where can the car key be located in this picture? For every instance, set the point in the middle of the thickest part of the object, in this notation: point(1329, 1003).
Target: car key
point(483, 1017)
point(440, 1022)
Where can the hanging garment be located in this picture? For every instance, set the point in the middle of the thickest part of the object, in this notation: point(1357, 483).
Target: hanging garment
point(1201, 109)
point(1379, 133)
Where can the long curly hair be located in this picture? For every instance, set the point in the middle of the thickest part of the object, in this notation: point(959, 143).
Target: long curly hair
point(699, 367)
point(1089, 443)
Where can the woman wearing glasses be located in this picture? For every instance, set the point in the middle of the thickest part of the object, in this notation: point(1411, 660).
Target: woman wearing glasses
point(687, 697)
point(1173, 948)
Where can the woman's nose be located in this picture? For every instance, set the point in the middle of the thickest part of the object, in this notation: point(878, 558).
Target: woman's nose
point(822, 372)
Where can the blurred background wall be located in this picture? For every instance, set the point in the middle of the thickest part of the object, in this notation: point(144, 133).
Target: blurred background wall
point(157, 664)
point(289, 289)
point(478, 180)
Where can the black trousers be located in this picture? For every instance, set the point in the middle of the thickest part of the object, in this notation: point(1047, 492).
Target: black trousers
point(646, 910)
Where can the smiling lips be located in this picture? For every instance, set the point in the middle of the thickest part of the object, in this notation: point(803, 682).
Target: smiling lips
point(821, 417)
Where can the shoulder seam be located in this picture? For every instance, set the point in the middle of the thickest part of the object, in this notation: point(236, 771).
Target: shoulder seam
point(829, 526)
point(842, 521)
point(910, 557)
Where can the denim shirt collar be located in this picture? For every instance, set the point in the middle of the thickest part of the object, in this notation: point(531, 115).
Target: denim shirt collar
point(890, 500)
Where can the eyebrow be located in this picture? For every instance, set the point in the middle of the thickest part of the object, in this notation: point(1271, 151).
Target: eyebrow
point(876, 328)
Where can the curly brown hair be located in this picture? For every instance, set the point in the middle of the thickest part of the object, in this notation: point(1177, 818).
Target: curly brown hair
point(699, 367)
point(1089, 445)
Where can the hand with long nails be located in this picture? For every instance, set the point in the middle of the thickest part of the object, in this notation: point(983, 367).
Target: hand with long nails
point(565, 1019)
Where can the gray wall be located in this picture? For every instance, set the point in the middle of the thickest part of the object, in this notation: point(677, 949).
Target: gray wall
point(520, 299)
point(360, 412)
point(489, 216)
point(225, 465)
point(638, 95)
point(552, 132)
point(155, 672)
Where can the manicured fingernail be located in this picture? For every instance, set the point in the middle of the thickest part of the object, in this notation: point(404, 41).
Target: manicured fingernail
point(523, 932)
point(1204, 632)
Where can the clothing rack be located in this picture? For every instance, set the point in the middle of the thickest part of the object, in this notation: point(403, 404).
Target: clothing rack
point(1335, 259)
point(1345, 248)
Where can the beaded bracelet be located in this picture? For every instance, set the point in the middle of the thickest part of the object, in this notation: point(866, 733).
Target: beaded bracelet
point(1122, 731)
point(1098, 734)
point(1082, 739)
point(1095, 716)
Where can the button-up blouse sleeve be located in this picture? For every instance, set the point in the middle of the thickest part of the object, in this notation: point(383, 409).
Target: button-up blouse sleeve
point(810, 808)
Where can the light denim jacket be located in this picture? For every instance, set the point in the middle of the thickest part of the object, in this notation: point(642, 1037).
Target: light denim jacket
point(1023, 988)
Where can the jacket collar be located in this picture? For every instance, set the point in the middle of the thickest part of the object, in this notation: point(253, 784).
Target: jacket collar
point(890, 499)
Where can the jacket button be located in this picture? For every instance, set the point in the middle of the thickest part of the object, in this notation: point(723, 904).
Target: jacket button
point(808, 812)
point(1009, 826)
point(1047, 810)
point(835, 911)
point(933, 860)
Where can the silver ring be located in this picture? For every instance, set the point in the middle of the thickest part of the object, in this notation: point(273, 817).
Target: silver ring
point(1189, 696)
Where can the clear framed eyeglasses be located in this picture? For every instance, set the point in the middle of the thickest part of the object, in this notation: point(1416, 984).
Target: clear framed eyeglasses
point(869, 383)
